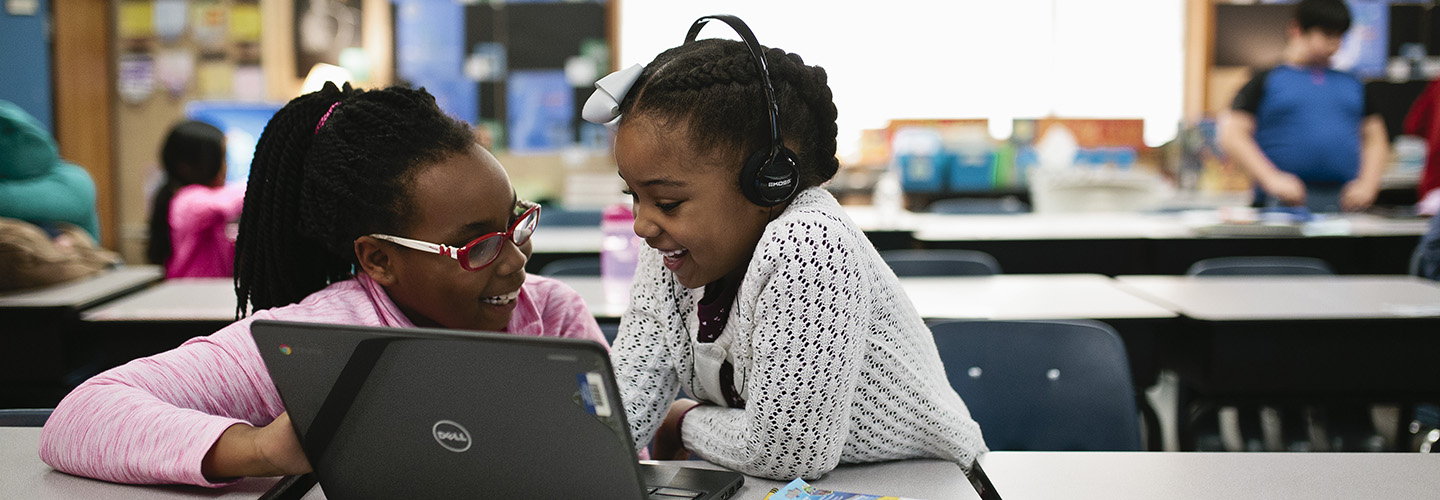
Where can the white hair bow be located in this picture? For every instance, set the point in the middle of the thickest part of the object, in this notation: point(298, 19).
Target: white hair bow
point(603, 107)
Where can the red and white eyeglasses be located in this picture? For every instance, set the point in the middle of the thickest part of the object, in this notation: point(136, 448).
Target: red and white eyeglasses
point(483, 250)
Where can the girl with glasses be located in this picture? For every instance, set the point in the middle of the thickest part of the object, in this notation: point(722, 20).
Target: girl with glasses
point(364, 208)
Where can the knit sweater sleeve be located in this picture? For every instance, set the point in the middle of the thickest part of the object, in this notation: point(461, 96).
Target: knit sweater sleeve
point(641, 353)
point(803, 302)
point(153, 420)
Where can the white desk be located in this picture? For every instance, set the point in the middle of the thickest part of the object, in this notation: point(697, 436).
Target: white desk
point(1016, 475)
point(193, 299)
point(567, 239)
point(1028, 296)
point(23, 475)
point(1127, 225)
point(1261, 298)
point(1006, 296)
point(82, 293)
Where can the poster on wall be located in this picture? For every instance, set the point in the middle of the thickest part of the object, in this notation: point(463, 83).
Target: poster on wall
point(323, 29)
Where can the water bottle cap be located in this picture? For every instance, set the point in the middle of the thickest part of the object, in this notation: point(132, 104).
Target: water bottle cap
point(619, 212)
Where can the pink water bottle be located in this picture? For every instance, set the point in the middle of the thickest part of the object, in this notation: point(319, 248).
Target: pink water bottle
point(619, 251)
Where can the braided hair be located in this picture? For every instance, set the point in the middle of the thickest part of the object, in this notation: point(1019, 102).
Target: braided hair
point(712, 90)
point(193, 153)
point(317, 186)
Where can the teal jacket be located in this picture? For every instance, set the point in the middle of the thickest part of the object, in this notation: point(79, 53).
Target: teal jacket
point(35, 184)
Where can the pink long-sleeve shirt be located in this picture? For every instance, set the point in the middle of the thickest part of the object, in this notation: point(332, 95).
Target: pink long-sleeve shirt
point(152, 420)
point(200, 245)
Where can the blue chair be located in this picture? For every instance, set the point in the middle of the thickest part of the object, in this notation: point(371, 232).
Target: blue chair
point(25, 417)
point(610, 330)
point(940, 262)
point(577, 266)
point(979, 206)
point(1043, 385)
point(551, 216)
point(1259, 266)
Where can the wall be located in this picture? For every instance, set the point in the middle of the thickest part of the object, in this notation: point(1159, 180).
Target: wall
point(25, 62)
point(140, 128)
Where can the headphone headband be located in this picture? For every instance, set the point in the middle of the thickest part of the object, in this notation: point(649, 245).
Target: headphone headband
point(747, 36)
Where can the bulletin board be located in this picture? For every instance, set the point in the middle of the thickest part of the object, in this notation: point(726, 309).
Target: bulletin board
point(524, 69)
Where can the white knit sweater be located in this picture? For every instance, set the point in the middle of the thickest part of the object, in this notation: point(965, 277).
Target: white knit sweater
point(832, 359)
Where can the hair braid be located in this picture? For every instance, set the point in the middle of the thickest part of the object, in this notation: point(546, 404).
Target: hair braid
point(313, 192)
point(711, 89)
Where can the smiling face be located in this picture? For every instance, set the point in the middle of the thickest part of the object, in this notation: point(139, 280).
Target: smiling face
point(453, 202)
point(687, 205)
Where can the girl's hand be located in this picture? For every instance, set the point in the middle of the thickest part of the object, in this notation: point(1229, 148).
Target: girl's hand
point(668, 445)
point(245, 451)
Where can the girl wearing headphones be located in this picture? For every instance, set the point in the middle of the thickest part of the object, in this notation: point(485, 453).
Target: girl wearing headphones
point(757, 295)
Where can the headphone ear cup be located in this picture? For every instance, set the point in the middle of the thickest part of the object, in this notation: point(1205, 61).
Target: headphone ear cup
point(768, 181)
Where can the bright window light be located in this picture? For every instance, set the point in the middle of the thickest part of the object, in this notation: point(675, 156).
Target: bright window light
point(957, 59)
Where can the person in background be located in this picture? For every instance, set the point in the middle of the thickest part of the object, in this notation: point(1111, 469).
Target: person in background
point(1424, 120)
point(1427, 253)
point(193, 209)
point(35, 184)
point(756, 293)
point(363, 208)
point(1304, 131)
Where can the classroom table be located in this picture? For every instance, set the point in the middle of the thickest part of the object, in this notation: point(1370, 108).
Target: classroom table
point(38, 327)
point(185, 299)
point(1004, 296)
point(82, 293)
point(1166, 243)
point(1016, 476)
point(1306, 339)
point(157, 319)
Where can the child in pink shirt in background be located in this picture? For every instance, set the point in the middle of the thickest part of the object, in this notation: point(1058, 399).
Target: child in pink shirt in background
point(364, 208)
point(192, 210)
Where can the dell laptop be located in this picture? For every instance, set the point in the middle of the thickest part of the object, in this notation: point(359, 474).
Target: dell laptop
point(431, 414)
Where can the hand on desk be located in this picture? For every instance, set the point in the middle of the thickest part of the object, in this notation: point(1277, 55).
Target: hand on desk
point(1358, 195)
point(245, 451)
point(1285, 187)
point(668, 445)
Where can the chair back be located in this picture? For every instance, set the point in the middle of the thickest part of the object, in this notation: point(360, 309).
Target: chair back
point(940, 263)
point(610, 330)
point(25, 417)
point(1043, 385)
point(577, 266)
point(1259, 266)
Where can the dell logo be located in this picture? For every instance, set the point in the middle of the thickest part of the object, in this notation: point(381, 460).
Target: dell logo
point(451, 435)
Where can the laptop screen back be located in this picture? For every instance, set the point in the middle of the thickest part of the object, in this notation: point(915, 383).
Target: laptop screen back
point(389, 413)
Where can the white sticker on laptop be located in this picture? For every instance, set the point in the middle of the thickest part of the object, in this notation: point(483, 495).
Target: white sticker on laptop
point(592, 393)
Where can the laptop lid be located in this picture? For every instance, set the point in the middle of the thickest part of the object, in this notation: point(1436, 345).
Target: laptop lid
point(420, 413)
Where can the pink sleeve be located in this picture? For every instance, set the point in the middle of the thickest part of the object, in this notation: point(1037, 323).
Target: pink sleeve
point(564, 311)
point(154, 419)
point(199, 206)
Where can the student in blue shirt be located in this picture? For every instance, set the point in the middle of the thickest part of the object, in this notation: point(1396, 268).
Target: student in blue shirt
point(1305, 132)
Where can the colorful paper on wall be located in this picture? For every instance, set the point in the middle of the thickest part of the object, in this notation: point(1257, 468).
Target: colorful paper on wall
point(249, 83)
point(540, 110)
point(135, 80)
point(170, 16)
point(245, 23)
point(215, 79)
point(174, 68)
point(136, 19)
point(208, 23)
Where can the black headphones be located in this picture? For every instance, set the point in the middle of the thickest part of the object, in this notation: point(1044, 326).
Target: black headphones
point(770, 177)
